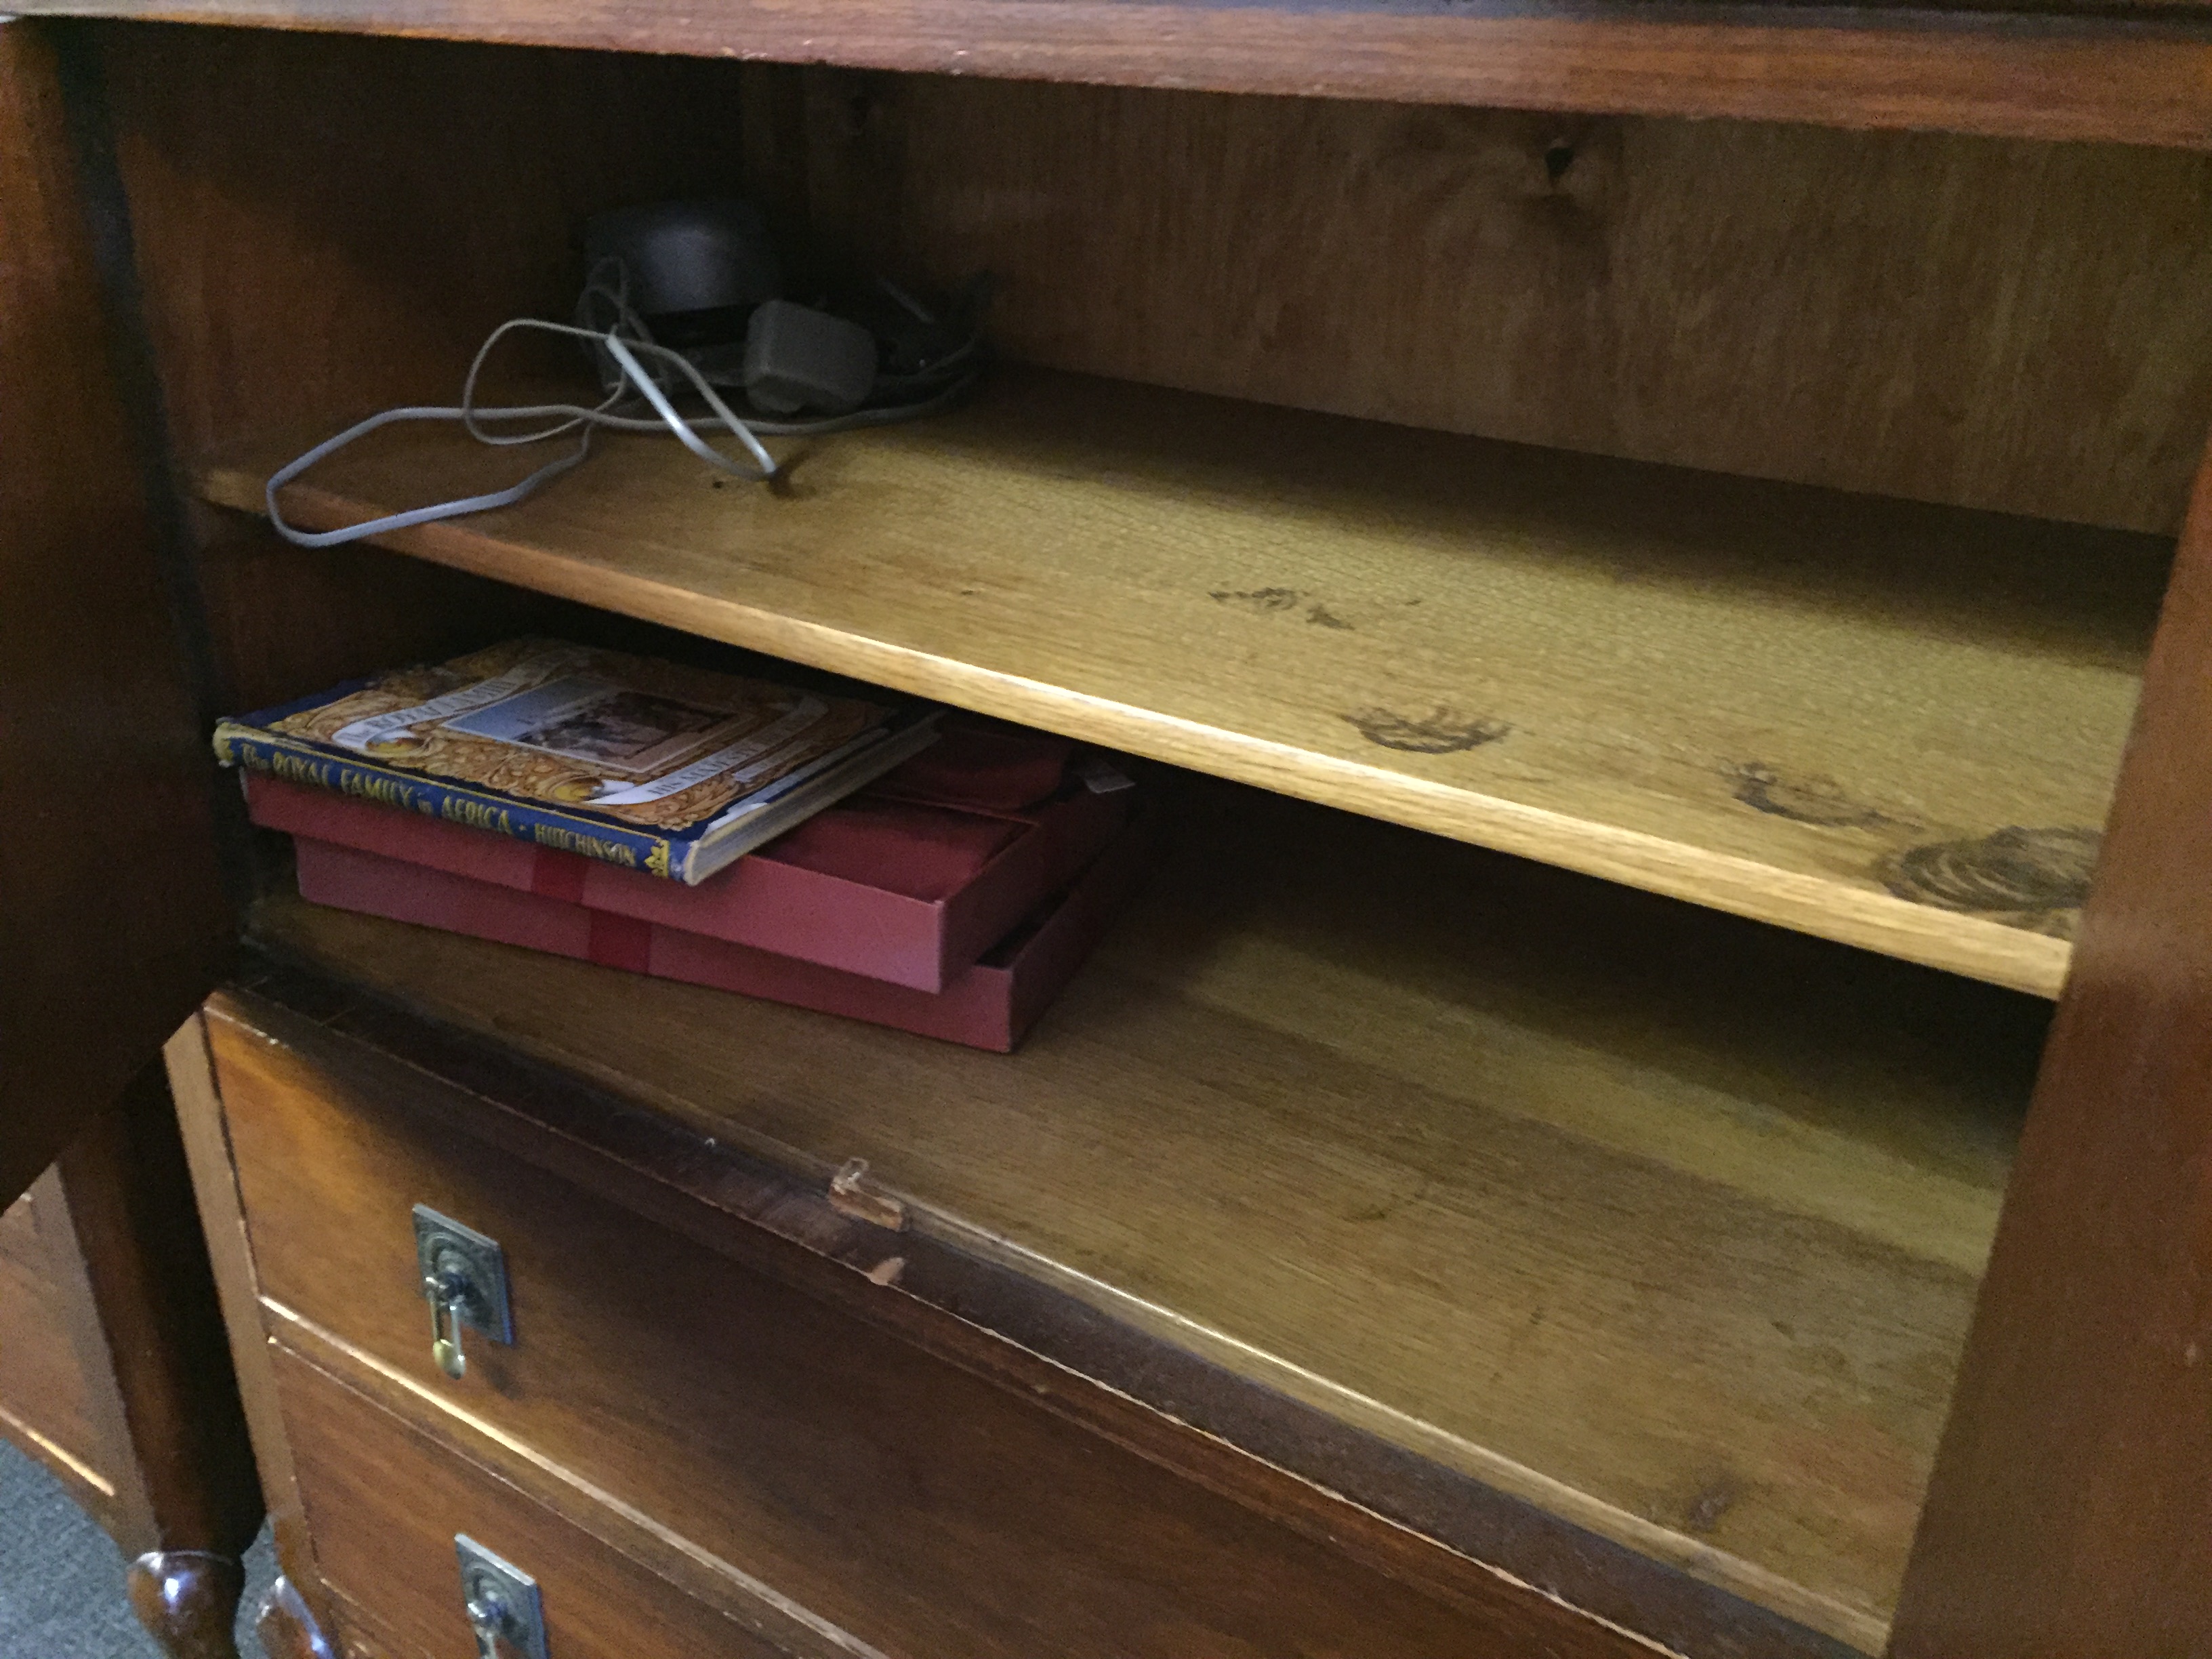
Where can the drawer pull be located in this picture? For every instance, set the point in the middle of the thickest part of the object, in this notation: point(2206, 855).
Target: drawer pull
point(501, 1602)
point(465, 1281)
point(447, 1293)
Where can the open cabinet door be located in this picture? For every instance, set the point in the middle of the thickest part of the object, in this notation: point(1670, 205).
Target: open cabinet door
point(112, 919)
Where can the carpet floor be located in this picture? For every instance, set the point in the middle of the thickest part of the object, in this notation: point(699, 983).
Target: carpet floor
point(61, 1577)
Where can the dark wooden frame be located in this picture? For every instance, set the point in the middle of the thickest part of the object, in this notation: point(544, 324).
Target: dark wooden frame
point(2072, 1506)
point(2140, 73)
point(98, 703)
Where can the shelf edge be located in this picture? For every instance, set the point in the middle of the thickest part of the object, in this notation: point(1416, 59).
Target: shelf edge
point(1845, 914)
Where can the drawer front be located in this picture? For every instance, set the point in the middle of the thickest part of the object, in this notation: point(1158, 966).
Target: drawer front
point(384, 1503)
point(46, 1401)
point(924, 1510)
point(43, 1404)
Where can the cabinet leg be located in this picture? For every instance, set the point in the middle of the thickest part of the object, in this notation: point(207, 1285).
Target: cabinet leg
point(188, 1600)
point(287, 1629)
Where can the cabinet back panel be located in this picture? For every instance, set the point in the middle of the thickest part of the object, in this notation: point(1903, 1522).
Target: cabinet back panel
point(286, 621)
point(329, 224)
point(2006, 325)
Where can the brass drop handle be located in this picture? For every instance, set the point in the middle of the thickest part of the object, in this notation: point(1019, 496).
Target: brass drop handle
point(449, 1304)
point(490, 1618)
point(465, 1281)
point(503, 1603)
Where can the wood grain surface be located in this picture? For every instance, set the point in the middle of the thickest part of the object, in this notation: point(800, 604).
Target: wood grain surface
point(386, 1501)
point(286, 620)
point(1891, 725)
point(287, 1627)
point(113, 921)
point(835, 1485)
point(19, 1234)
point(150, 1338)
point(2072, 1507)
point(306, 241)
point(214, 1184)
point(2019, 326)
point(111, 1365)
point(1385, 1507)
point(187, 1599)
point(1455, 1148)
point(2040, 77)
point(46, 1408)
point(122, 1505)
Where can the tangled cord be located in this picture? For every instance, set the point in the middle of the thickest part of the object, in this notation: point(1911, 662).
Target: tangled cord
point(624, 348)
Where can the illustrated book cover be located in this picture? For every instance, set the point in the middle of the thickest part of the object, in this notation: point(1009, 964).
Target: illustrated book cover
point(649, 765)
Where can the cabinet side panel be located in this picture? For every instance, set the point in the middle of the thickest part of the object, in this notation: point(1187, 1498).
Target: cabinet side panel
point(2071, 1506)
point(113, 921)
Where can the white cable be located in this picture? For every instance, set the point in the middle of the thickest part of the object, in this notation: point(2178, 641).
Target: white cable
point(681, 427)
point(628, 344)
point(406, 521)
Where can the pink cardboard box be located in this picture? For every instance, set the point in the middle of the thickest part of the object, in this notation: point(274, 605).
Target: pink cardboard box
point(760, 901)
point(989, 1006)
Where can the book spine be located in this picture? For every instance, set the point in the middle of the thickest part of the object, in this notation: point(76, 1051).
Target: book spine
point(364, 780)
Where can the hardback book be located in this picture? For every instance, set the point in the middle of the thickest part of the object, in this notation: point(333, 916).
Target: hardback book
point(645, 764)
point(990, 1004)
point(892, 882)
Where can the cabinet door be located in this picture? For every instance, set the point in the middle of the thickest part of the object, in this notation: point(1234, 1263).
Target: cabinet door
point(112, 919)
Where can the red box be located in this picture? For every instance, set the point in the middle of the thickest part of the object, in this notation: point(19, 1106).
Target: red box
point(760, 901)
point(989, 1006)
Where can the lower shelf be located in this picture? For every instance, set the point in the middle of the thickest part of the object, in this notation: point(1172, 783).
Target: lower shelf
point(1668, 1223)
point(1888, 725)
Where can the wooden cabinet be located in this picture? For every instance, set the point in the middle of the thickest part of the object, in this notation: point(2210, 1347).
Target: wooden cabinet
point(1656, 1094)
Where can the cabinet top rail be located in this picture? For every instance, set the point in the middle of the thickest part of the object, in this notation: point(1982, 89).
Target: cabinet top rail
point(2139, 74)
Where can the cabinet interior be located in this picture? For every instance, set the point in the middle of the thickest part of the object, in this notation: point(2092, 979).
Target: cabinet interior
point(1668, 1223)
point(1771, 519)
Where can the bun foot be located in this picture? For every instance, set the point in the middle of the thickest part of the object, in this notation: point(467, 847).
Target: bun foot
point(287, 1629)
point(188, 1602)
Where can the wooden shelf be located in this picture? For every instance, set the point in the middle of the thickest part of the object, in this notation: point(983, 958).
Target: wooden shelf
point(2138, 74)
point(1789, 703)
point(1668, 1223)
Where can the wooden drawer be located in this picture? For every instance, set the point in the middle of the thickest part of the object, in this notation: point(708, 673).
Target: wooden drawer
point(884, 1491)
point(384, 1501)
point(45, 1406)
